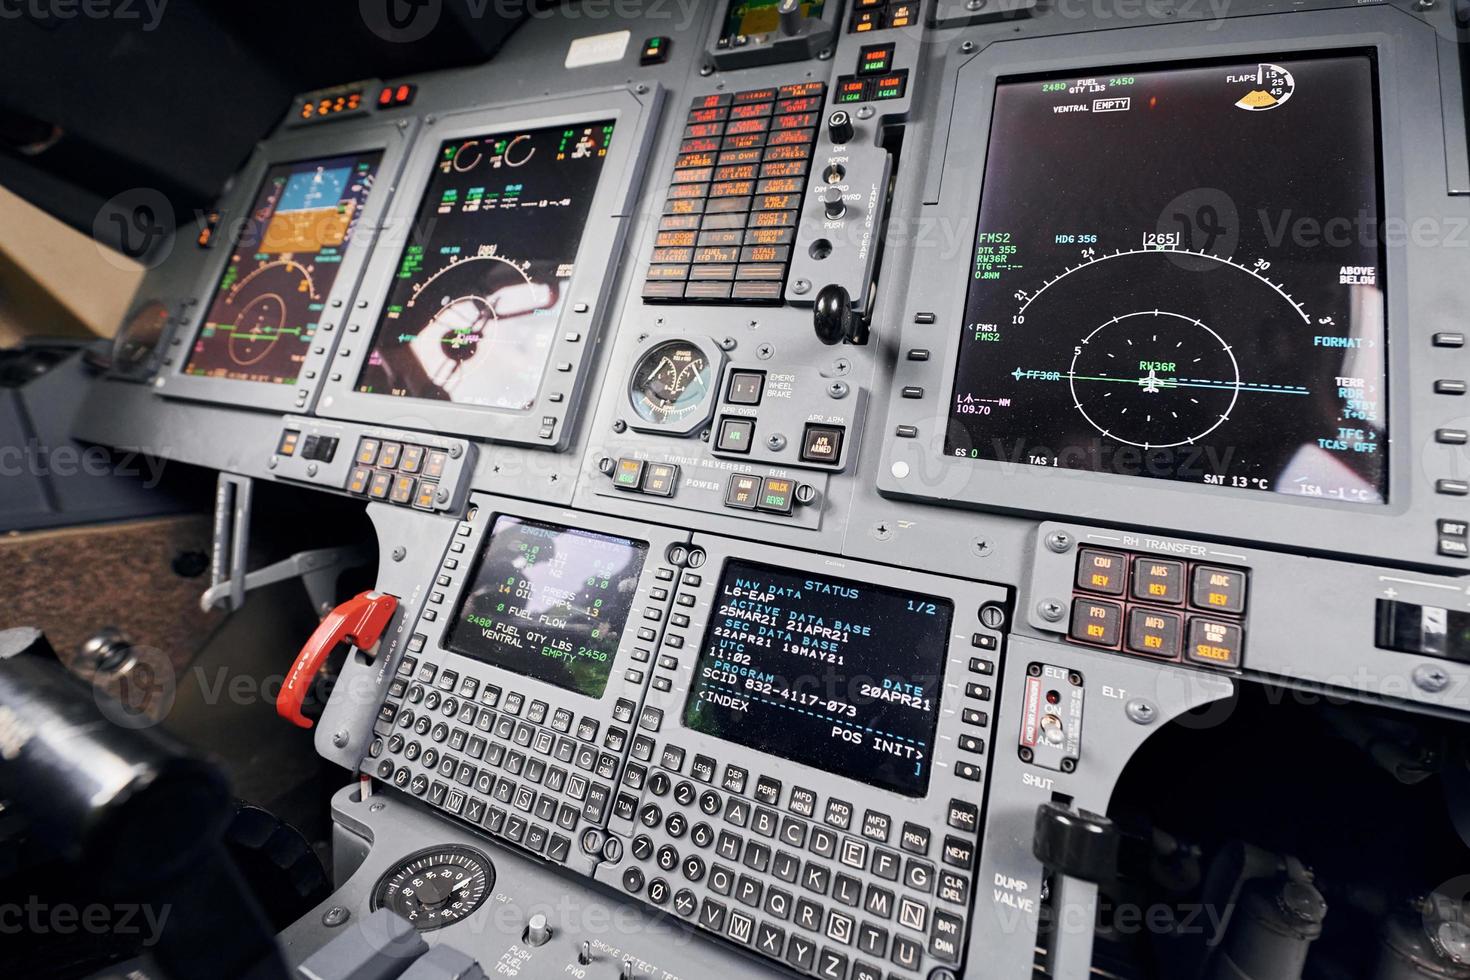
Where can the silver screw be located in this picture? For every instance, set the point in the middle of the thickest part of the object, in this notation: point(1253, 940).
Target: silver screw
point(980, 547)
point(335, 916)
point(841, 366)
point(967, 47)
point(1140, 712)
point(1059, 541)
point(992, 616)
point(1050, 610)
point(339, 739)
point(400, 553)
point(1431, 678)
point(775, 442)
point(837, 389)
point(882, 531)
point(765, 352)
point(801, 287)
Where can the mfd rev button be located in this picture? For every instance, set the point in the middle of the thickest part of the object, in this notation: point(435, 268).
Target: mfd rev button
point(1101, 571)
point(1154, 632)
point(1098, 623)
point(1218, 589)
point(1213, 643)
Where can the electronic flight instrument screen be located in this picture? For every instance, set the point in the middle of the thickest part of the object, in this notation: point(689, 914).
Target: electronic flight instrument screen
point(472, 312)
point(839, 675)
point(1177, 275)
point(549, 603)
point(285, 261)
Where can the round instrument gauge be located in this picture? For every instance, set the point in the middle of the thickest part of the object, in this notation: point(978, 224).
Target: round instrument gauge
point(436, 887)
point(257, 310)
point(139, 337)
point(671, 384)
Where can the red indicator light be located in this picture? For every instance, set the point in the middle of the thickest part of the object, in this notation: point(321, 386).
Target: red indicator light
point(404, 93)
point(385, 97)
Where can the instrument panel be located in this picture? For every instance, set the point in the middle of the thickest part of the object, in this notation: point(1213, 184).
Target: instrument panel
point(805, 437)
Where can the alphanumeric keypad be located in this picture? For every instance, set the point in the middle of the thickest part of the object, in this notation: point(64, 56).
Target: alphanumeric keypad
point(828, 889)
point(512, 765)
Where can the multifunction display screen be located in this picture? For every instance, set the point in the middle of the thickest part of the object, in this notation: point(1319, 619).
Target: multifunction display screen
point(472, 312)
point(838, 675)
point(284, 263)
point(549, 603)
point(1177, 275)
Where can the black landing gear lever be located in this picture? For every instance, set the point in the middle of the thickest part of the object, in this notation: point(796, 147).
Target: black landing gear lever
point(834, 318)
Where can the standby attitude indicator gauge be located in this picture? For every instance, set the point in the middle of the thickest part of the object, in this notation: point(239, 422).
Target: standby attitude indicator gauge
point(1138, 309)
point(282, 269)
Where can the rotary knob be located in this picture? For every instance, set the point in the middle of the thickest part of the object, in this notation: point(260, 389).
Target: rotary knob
point(839, 126)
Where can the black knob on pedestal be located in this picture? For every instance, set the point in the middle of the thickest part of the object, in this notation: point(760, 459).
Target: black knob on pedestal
point(834, 318)
point(1075, 843)
point(839, 126)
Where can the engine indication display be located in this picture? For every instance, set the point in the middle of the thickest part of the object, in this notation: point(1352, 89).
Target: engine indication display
point(472, 313)
point(549, 603)
point(843, 676)
point(1177, 275)
point(285, 260)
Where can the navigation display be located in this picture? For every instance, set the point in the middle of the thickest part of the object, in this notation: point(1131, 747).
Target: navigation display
point(284, 263)
point(472, 312)
point(1177, 275)
point(549, 603)
point(838, 675)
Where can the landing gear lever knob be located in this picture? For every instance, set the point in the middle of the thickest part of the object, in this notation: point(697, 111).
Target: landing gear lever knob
point(834, 318)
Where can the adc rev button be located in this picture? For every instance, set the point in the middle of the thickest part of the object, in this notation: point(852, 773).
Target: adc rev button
point(1218, 589)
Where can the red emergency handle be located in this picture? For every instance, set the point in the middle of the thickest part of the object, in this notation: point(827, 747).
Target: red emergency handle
point(359, 621)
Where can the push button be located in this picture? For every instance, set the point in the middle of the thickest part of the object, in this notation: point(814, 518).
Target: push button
point(629, 475)
point(1102, 572)
point(287, 445)
point(358, 482)
point(743, 492)
point(1218, 589)
point(660, 479)
point(1454, 538)
point(380, 486)
point(1096, 622)
point(776, 495)
point(746, 387)
point(1155, 580)
point(822, 444)
point(735, 435)
point(1213, 643)
point(367, 451)
point(1155, 632)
